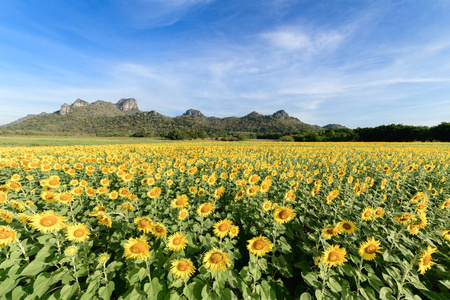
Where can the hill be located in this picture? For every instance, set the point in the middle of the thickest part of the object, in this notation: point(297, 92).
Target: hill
point(125, 119)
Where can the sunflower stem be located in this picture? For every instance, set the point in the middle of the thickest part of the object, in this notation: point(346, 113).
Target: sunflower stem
point(404, 278)
point(358, 279)
point(23, 250)
point(148, 270)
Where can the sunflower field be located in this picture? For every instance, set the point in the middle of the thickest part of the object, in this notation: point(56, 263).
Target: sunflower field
point(226, 221)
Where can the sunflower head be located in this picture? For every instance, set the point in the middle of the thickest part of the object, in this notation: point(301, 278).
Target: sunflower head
point(216, 260)
point(182, 268)
point(347, 226)
point(136, 248)
point(368, 249)
point(177, 242)
point(259, 246)
point(283, 215)
point(7, 235)
point(425, 261)
point(334, 256)
point(77, 233)
point(48, 221)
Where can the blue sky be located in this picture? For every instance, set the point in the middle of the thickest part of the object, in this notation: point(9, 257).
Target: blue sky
point(357, 63)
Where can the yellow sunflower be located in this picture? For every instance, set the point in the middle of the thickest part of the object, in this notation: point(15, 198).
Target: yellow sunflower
point(48, 221)
point(71, 250)
point(233, 232)
point(176, 242)
point(64, 198)
point(367, 214)
point(378, 212)
point(182, 268)
point(26, 219)
point(181, 201)
point(183, 214)
point(347, 226)
point(267, 205)
point(48, 196)
point(283, 214)
point(159, 230)
point(205, 209)
point(367, 250)
point(446, 234)
point(445, 204)
point(154, 192)
point(330, 232)
point(425, 260)
point(77, 233)
point(7, 235)
point(222, 227)
point(136, 248)
point(216, 260)
point(259, 246)
point(405, 218)
point(144, 224)
point(17, 205)
point(334, 256)
point(103, 258)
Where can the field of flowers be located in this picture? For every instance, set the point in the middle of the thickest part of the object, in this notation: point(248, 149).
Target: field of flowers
point(225, 221)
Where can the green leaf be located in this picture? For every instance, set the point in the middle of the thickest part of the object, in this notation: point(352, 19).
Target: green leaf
point(41, 284)
point(281, 264)
point(334, 285)
point(368, 293)
point(267, 292)
point(156, 288)
point(68, 290)
point(374, 281)
point(193, 291)
point(305, 296)
point(105, 292)
point(33, 268)
point(386, 294)
point(311, 279)
point(8, 263)
point(7, 285)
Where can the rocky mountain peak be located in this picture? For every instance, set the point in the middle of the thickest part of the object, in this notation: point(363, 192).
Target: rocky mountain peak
point(194, 112)
point(80, 103)
point(126, 104)
point(281, 114)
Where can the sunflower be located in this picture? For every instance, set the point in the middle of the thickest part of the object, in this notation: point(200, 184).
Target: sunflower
point(334, 256)
point(367, 214)
point(181, 201)
point(7, 235)
point(219, 192)
point(446, 234)
point(127, 206)
point(182, 268)
point(222, 227)
point(48, 221)
point(347, 226)
point(425, 260)
point(64, 198)
point(159, 230)
point(154, 192)
point(136, 248)
point(15, 186)
point(71, 250)
point(367, 250)
point(17, 205)
point(3, 197)
point(48, 196)
point(205, 209)
point(405, 218)
point(77, 233)
point(144, 224)
point(176, 242)
point(267, 205)
point(103, 219)
point(378, 212)
point(182, 214)
point(233, 232)
point(421, 206)
point(103, 258)
point(445, 204)
point(252, 190)
point(330, 232)
point(26, 219)
point(283, 214)
point(216, 260)
point(259, 246)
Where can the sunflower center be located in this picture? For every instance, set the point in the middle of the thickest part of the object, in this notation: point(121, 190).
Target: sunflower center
point(48, 221)
point(5, 234)
point(223, 227)
point(371, 249)
point(137, 248)
point(259, 245)
point(182, 266)
point(49, 196)
point(79, 232)
point(333, 256)
point(367, 214)
point(216, 258)
point(64, 197)
point(179, 202)
point(284, 214)
point(177, 241)
point(159, 229)
point(144, 223)
point(426, 260)
point(347, 226)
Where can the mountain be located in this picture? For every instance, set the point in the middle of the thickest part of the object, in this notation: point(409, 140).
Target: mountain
point(124, 119)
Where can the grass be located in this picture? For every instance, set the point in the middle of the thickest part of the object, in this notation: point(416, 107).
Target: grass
point(27, 141)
